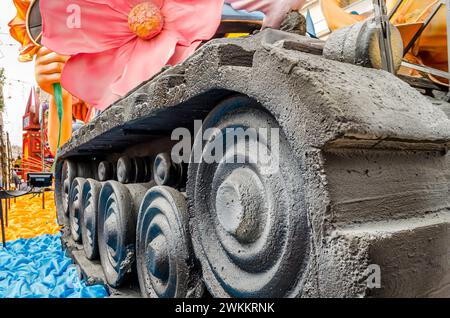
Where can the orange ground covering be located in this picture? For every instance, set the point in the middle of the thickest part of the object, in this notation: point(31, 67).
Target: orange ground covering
point(27, 219)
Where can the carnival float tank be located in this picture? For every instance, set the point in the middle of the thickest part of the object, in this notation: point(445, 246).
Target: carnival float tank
point(351, 177)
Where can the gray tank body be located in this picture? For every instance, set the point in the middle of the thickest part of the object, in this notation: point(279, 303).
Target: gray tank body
point(372, 153)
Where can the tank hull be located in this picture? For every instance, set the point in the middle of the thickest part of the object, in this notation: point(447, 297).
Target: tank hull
point(372, 153)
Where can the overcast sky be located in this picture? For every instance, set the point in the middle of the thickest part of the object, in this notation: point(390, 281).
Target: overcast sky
point(20, 76)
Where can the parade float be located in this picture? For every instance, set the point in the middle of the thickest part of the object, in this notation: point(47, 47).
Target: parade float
point(362, 170)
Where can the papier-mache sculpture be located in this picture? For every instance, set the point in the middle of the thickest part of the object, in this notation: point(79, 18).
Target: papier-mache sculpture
point(119, 44)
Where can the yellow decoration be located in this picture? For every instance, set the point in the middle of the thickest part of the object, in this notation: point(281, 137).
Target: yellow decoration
point(236, 35)
point(27, 219)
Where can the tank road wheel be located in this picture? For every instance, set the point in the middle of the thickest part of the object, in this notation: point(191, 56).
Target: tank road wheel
point(76, 208)
point(117, 214)
point(166, 172)
point(249, 221)
point(89, 217)
point(115, 224)
point(105, 171)
point(68, 173)
point(125, 170)
point(164, 253)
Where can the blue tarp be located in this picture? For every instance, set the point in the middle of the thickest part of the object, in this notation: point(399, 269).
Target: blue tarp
point(39, 268)
point(230, 12)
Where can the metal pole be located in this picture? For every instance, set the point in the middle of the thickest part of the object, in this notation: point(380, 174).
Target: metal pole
point(6, 212)
point(2, 224)
point(395, 9)
point(384, 35)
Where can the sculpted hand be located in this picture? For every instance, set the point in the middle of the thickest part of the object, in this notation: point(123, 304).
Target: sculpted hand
point(275, 10)
point(48, 67)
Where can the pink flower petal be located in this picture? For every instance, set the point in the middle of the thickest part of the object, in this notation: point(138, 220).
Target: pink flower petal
point(125, 6)
point(146, 59)
point(91, 76)
point(83, 26)
point(192, 20)
point(108, 59)
point(183, 52)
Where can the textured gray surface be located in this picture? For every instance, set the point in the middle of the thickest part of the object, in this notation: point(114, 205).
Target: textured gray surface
point(372, 153)
point(164, 209)
point(317, 101)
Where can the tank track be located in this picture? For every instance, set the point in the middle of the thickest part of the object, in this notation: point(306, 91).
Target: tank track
point(370, 153)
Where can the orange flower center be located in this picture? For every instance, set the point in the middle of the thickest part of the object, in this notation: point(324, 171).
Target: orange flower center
point(146, 20)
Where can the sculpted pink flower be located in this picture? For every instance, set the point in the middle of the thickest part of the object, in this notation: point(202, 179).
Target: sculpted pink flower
point(117, 44)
